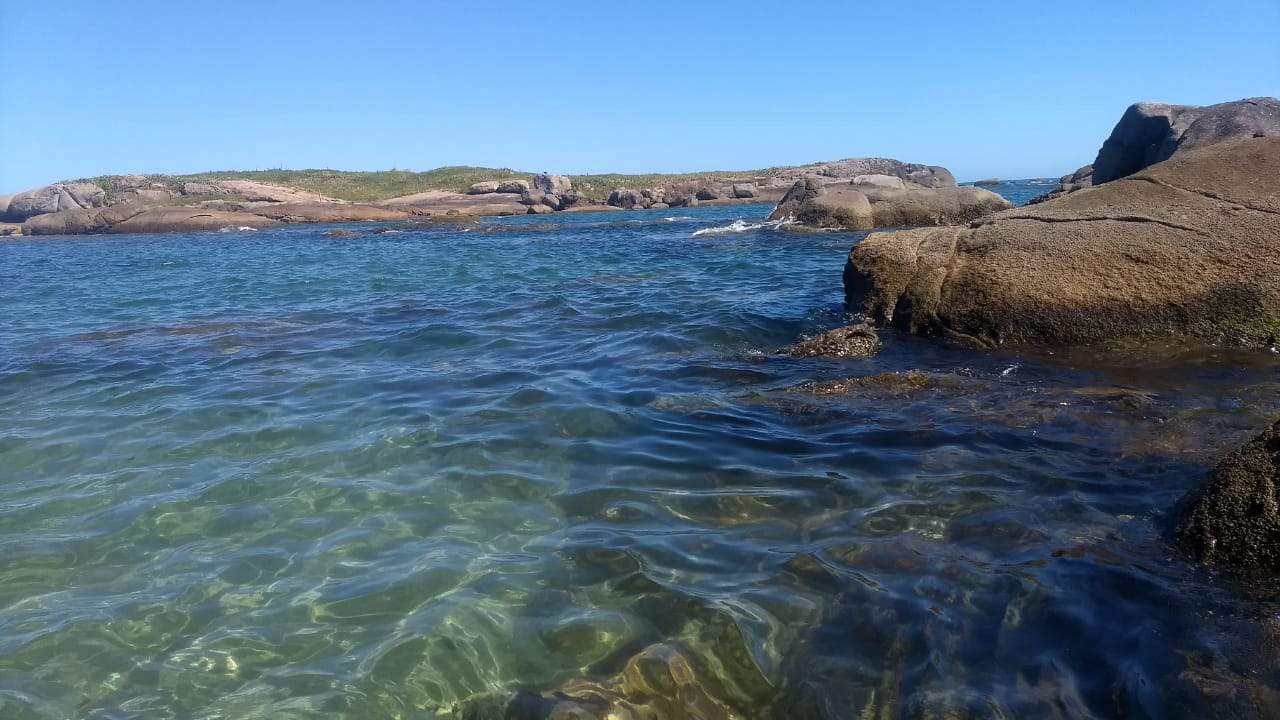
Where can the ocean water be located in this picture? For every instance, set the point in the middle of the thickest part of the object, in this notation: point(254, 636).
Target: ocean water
point(440, 471)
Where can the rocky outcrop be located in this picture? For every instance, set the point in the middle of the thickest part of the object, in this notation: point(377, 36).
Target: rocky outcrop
point(626, 199)
point(441, 203)
point(553, 184)
point(1188, 247)
point(814, 203)
point(842, 171)
point(200, 189)
point(1149, 132)
point(743, 191)
point(255, 191)
point(54, 198)
point(129, 218)
point(328, 212)
point(1233, 520)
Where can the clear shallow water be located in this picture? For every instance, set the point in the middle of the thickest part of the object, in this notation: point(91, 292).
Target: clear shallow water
point(280, 474)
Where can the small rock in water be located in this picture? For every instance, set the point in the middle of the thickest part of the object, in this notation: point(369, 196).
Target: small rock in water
point(846, 342)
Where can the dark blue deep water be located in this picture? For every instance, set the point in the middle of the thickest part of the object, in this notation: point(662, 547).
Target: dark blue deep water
point(416, 474)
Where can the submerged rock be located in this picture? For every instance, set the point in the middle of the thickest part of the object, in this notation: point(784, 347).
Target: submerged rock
point(1233, 520)
point(846, 342)
point(1188, 247)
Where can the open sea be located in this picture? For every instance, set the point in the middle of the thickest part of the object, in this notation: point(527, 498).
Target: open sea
point(447, 470)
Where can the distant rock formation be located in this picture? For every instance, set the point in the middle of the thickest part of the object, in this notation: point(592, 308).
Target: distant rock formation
point(871, 201)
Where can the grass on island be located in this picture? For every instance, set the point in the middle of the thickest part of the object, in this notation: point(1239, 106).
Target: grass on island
point(386, 184)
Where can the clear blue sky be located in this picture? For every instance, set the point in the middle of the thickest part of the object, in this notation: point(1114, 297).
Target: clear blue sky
point(987, 89)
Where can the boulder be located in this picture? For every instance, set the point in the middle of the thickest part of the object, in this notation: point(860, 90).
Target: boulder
point(845, 342)
point(1187, 247)
point(891, 182)
point(54, 198)
point(1233, 520)
point(678, 197)
point(10, 229)
point(539, 209)
point(1150, 132)
point(743, 191)
point(814, 203)
point(707, 193)
point(554, 184)
point(484, 188)
point(625, 198)
point(570, 199)
point(515, 187)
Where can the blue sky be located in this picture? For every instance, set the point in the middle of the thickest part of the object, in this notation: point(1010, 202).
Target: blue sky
point(987, 89)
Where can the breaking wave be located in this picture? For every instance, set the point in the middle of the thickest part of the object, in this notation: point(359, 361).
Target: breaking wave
point(741, 226)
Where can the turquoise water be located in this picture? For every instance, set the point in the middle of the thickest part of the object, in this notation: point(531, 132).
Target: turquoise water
point(417, 474)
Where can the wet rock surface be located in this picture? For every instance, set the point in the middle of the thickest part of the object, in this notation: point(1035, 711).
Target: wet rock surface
point(852, 341)
point(1233, 520)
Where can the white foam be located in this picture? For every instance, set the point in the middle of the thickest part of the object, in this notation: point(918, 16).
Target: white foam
point(242, 228)
point(741, 226)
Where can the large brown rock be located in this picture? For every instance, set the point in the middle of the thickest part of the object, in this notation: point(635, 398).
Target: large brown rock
point(1233, 520)
point(864, 206)
point(1188, 247)
point(54, 198)
point(625, 198)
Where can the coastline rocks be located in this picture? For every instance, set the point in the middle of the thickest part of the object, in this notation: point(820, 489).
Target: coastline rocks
point(54, 198)
point(1150, 132)
point(1188, 247)
point(327, 212)
point(813, 203)
point(200, 188)
point(846, 342)
point(743, 191)
point(552, 184)
point(625, 198)
point(1233, 520)
point(129, 218)
point(539, 197)
point(706, 193)
point(514, 187)
point(987, 182)
point(931, 176)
